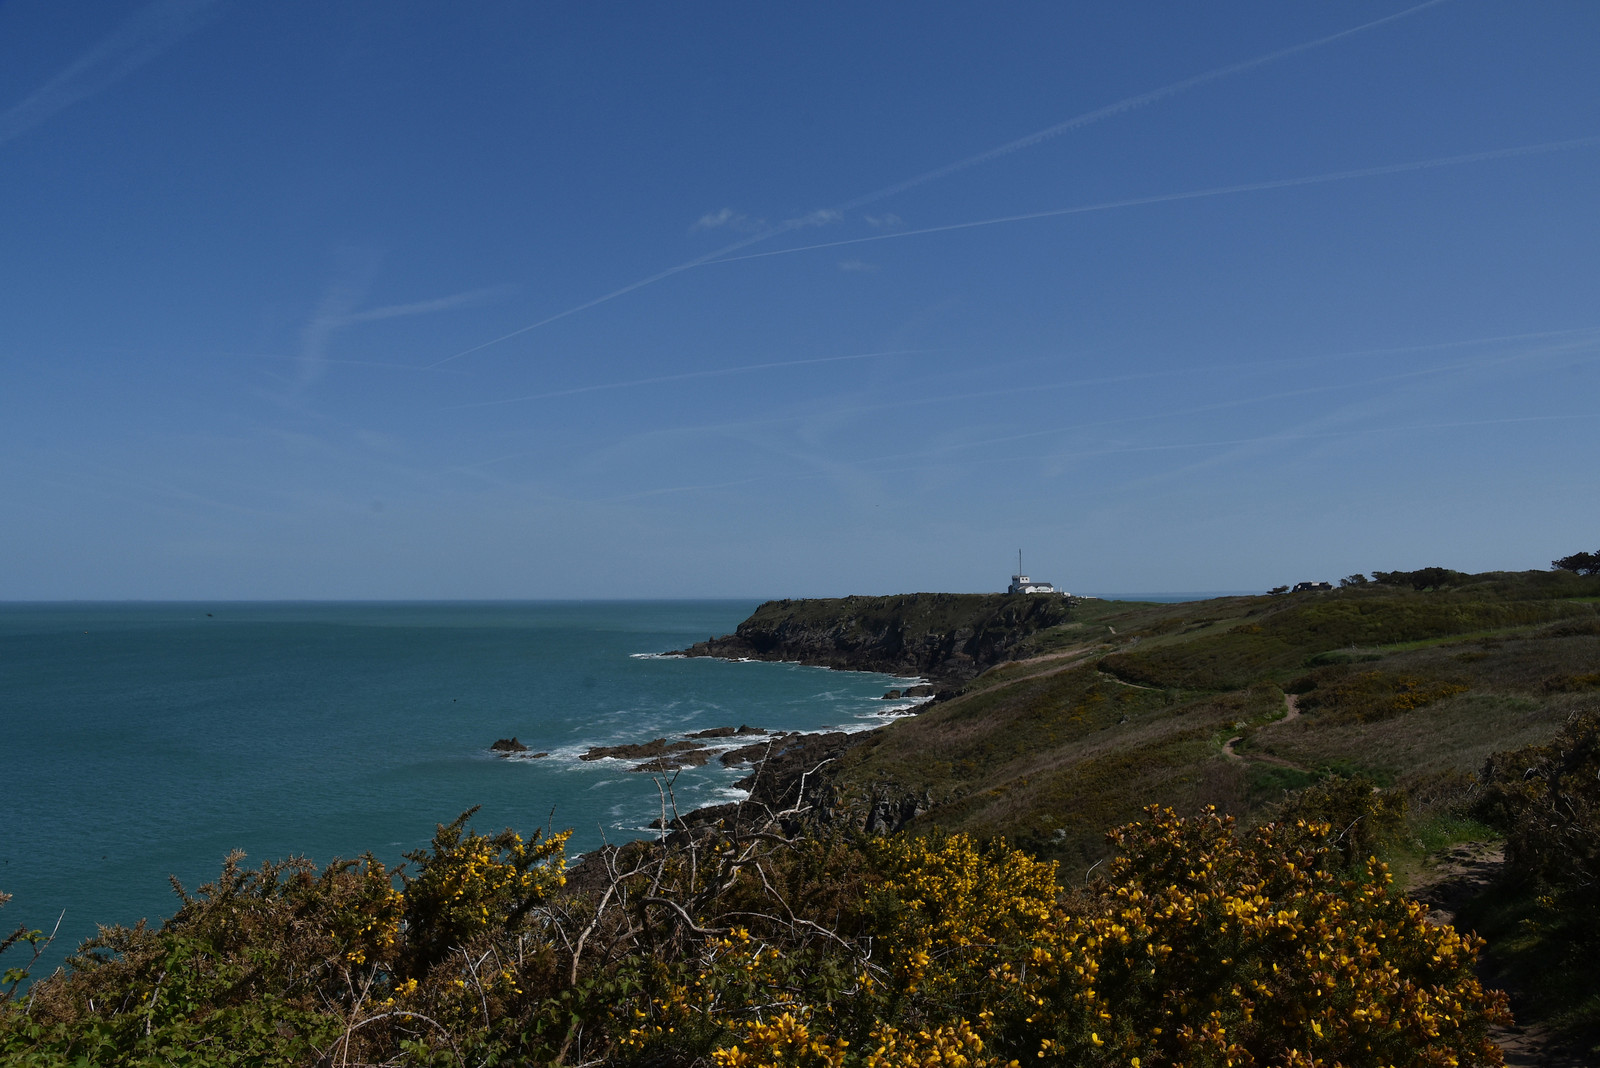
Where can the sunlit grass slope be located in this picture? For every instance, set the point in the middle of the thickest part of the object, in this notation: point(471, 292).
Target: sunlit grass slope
point(1131, 704)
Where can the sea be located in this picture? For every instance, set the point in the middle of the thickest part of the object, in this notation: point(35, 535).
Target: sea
point(142, 742)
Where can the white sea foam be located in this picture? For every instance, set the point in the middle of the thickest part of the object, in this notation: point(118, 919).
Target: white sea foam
point(855, 728)
point(851, 705)
point(898, 708)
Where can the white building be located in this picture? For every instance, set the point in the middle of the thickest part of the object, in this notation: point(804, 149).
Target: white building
point(1021, 583)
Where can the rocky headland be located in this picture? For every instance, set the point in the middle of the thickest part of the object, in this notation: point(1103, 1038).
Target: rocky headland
point(947, 638)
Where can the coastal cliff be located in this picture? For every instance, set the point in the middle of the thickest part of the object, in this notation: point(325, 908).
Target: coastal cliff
point(946, 637)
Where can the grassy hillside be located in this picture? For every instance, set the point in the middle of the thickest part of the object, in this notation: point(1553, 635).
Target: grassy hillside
point(1128, 704)
point(1356, 717)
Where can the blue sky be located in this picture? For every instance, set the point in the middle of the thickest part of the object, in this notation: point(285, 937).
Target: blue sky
point(410, 300)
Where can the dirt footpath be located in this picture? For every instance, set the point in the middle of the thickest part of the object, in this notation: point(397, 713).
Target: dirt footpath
point(1461, 875)
point(1291, 704)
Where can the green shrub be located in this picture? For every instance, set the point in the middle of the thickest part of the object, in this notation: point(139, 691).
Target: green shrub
point(1546, 800)
point(1200, 947)
point(1372, 695)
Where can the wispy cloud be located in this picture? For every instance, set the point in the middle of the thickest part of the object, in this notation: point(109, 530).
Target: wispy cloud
point(857, 266)
point(1267, 439)
point(1208, 444)
point(1125, 105)
point(728, 219)
point(357, 269)
point(828, 215)
point(665, 490)
point(340, 308)
point(139, 39)
point(719, 372)
point(1576, 338)
point(1208, 452)
point(1366, 385)
point(472, 298)
point(889, 221)
point(1193, 194)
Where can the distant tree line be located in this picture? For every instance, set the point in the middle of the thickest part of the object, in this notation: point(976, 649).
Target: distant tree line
point(1438, 578)
point(1427, 578)
point(1581, 563)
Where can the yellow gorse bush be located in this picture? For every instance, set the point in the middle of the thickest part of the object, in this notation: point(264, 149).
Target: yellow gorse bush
point(1210, 948)
point(469, 884)
point(1200, 947)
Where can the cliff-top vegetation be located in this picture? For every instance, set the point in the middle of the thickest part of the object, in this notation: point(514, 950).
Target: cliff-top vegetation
point(949, 637)
point(1200, 945)
point(1155, 835)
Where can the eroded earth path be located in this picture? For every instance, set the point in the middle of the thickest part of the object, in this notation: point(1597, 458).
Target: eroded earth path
point(1291, 703)
point(1459, 876)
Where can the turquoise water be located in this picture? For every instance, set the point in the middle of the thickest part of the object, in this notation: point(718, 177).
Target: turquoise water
point(146, 740)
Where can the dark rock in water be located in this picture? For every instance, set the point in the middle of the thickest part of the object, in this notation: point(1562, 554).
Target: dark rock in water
point(508, 745)
point(924, 690)
point(892, 695)
point(749, 754)
point(682, 758)
point(656, 748)
point(727, 732)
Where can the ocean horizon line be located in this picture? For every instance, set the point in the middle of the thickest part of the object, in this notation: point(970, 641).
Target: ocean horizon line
point(1172, 596)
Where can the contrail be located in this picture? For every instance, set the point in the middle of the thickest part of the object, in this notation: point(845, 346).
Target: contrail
point(677, 489)
point(613, 295)
point(1206, 369)
point(825, 214)
point(1238, 402)
point(1320, 435)
point(1586, 335)
point(1195, 194)
point(1126, 449)
point(428, 307)
point(1129, 104)
point(715, 373)
point(139, 39)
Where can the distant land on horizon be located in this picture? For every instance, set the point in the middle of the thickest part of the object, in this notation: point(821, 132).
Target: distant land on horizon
point(1164, 597)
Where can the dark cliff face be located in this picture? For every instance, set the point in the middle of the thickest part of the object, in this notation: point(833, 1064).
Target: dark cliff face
point(948, 637)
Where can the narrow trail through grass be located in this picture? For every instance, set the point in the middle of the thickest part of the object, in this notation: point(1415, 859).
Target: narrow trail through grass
point(1291, 704)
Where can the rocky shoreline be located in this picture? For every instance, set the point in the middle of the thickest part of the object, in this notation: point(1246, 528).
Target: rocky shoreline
point(782, 779)
point(944, 638)
point(661, 755)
